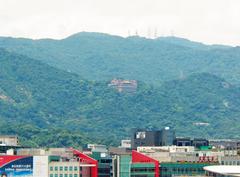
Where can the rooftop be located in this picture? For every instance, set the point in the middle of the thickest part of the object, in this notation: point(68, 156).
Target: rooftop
point(228, 170)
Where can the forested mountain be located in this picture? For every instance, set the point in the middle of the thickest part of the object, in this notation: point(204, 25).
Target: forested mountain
point(51, 107)
point(101, 57)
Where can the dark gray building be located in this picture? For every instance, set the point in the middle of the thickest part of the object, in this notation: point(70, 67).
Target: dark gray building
point(182, 142)
point(196, 142)
point(167, 137)
point(143, 137)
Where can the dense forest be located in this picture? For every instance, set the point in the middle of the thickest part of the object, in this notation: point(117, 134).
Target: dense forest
point(47, 106)
point(101, 57)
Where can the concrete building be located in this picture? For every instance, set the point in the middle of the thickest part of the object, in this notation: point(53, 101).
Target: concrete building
point(171, 149)
point(126, 144)
point(9, 140)
point(97, 148)
point(128, 86)
point(137, 164)
point(79, 165)
point(230, 160)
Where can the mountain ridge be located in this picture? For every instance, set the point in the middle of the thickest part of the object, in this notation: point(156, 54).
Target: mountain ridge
point(102, 57)
point(50, 103)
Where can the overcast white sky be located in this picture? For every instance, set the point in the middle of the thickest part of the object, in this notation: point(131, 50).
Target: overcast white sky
point(209, 21)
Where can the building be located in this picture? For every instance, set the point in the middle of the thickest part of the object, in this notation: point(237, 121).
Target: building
point(97, 148)
point(106, 164)
point(9, 140)
point(128, 86)
point(136, 165)
point(222, 170)
point(126, 144)
point(142, 137)
point(167, 137)
point(182, 141)
point(78, 165)
point(225, 143)
point(199, 142)
point(171, 169)
point(230, 160)
point(171, 149)
point(196, 142)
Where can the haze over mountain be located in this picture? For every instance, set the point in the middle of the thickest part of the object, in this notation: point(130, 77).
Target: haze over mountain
point(101, 57)
point(47, 106)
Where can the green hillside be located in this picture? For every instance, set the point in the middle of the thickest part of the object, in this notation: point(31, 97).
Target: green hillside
point(101, 57)
point(50, 107)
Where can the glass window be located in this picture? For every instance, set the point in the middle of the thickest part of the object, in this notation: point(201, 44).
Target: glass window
point(70, 168)
point(61, 168)
point(75, 168)
point(56, 168)
point(66, 168)
point(75, 175)
point(61, 175)
point(51, 168)
point(70, 175)
point(56, 175)
point(66, 175)
point(51, 175)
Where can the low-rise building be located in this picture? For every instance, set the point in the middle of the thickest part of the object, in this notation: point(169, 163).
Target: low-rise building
point(42, 165)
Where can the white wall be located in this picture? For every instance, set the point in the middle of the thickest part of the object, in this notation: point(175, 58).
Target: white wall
point(40, 166)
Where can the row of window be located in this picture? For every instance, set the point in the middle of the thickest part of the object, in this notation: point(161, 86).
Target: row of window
point(64, 175)
point(231, 163)
point(181, 170)
point(71, 168)
point(142, 169)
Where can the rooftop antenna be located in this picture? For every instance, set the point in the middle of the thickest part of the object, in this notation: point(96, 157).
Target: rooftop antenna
point(155, 33)
point(129, 33)
point(149, 33)
point(136, 33)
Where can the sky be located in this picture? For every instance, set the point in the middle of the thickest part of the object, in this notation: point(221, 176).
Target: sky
point(208, 21)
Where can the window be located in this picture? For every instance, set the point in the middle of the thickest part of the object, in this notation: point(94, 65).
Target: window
point(56, 175)
point(70, 175)
point(56, 169)
point(51, 175)
point(66, 175)
point(61, 175)
point(70, 168)
point(75, 168)
point(61, 168)
point(51, 168)
point(65, 168)
point(75, 175)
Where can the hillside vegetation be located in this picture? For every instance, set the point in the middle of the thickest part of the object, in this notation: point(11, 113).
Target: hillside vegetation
point(102, 57)
point(51, 107)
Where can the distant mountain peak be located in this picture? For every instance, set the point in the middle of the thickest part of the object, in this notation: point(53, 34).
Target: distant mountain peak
point(91, 35)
